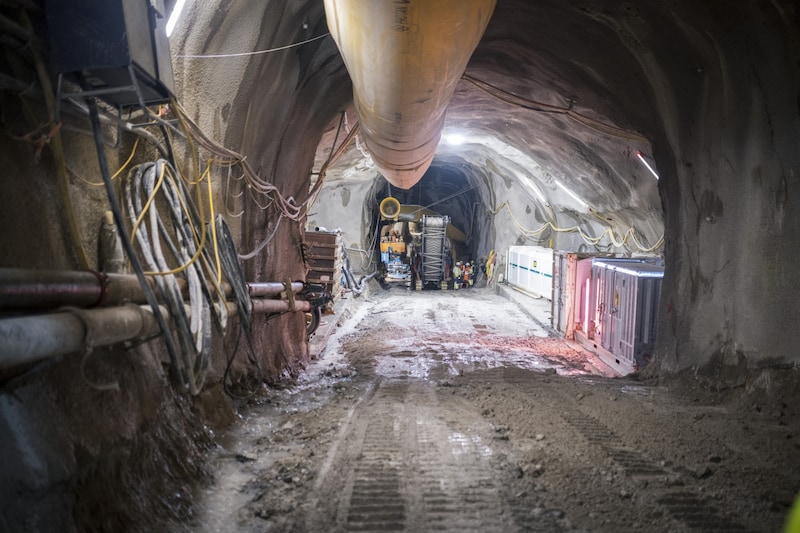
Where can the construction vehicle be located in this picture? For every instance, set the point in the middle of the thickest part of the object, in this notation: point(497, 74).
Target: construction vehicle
point(416, 245)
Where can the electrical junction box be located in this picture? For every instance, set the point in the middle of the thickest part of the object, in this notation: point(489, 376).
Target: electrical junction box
point(115, 45)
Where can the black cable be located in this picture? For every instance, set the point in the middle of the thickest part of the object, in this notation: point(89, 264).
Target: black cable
point(143, 183)
point(233, 271)
point(253, 359)
point(94, 116)
point(229, 260)
point(228, 366)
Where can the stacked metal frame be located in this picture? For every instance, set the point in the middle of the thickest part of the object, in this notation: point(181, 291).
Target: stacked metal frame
point(434, 247)
point(626, 295)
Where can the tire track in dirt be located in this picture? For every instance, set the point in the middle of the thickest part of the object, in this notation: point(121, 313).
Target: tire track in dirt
point(452, 470)
point(692, 509)
point(411, 463)
point(376, 500)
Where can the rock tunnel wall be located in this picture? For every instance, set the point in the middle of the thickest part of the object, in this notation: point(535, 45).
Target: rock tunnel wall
point(500, 210)
point(728, 145)
point(69, 448)
point(127, 458)
point(716, 88)
point(272, 109)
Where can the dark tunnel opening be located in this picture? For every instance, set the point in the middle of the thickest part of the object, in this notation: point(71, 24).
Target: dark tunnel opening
point(450, 188)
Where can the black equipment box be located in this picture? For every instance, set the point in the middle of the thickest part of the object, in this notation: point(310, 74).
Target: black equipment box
point(115, 45)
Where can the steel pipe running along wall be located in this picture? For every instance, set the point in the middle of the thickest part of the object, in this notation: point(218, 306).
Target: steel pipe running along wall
point(24, 290)
point(405, 58)
point(33, 338)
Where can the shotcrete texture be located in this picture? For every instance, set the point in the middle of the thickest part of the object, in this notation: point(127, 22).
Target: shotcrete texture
point(557, 100)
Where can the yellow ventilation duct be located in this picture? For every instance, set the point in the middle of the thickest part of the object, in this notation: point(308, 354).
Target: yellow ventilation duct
point(389, 208)
point(405, 58)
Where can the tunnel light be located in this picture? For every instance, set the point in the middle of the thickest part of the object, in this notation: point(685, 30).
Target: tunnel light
point(535, 190)
point(643, 160)
point(174, 16)
point(454, 139)
point(572, 194)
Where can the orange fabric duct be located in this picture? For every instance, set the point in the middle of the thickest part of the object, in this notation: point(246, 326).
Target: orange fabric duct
point(405, 58)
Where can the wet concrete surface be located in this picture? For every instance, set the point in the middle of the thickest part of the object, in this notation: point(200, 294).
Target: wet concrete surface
point(455, 411)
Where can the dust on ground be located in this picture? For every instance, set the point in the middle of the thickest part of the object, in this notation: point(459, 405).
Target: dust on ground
point(456, 411)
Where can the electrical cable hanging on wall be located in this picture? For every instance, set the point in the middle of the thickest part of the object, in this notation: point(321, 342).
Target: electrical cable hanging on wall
point(183, 245)
point(617, 240)
point(179, 233)
point(512, 99)
point(600, 127)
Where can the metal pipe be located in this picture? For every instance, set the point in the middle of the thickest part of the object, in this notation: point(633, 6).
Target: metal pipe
point(26, 290)
point(280, 306)
point(272, 288)
point(30, 289)
point(363, 279)
point(29, 339)
point(33, 338)
point(125, 288)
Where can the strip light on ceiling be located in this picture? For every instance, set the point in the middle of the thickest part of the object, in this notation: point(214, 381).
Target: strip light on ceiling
point(454, 139)
point(534, 189)
point(574, 196)
point(643, 160)
point(174, 16)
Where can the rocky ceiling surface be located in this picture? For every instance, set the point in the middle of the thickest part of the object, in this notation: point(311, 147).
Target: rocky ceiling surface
point(557, 101)
point(544, 104)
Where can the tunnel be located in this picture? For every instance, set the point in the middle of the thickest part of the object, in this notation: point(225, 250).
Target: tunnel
point(446, 189)
point(243, 382)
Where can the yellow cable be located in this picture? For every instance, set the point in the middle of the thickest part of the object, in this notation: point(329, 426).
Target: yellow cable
point(201, 241)
point(194, 231)
point(82, 179)
point(116, 174)
point(594, 241)
point(213, 225)
point(130, 158)
point(148, 203)
point(58, 149)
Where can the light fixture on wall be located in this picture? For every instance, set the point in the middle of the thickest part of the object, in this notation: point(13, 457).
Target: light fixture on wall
point(572, 194)
point(174, 16)
point(534, 189)
point(643, 160)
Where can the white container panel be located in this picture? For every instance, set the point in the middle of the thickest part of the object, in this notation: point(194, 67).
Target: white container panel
point(530, 269)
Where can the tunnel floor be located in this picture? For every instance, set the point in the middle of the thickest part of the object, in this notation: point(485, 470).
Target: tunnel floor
point(454, 411)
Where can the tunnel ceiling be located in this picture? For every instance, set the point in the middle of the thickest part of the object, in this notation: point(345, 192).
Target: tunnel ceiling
point(541, 105)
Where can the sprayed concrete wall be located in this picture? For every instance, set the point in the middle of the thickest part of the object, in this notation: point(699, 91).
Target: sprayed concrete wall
point(714, 88)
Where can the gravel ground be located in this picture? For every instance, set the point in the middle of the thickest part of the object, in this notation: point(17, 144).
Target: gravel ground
point(455, 411)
